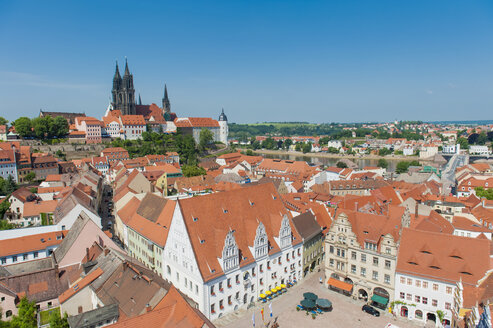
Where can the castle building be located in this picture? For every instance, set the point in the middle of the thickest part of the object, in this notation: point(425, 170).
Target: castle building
point(152, 117)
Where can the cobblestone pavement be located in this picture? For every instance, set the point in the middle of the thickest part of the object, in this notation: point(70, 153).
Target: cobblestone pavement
point(346, 312)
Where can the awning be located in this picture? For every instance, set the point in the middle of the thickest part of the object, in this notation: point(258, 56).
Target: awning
point(340, 284)
point(380, 299)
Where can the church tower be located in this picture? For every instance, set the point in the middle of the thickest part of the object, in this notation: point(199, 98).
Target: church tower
point(117, 83)
point(166, 104)
point(127, 93)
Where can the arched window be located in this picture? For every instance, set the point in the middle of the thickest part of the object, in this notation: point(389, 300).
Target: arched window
point(8, 313)
point(168, 269)
point(418, 314)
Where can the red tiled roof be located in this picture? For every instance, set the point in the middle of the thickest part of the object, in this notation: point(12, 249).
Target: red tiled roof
point(443, 257)
point(80, 285)
point(195, 122)
point(30, 243)
point(36, 208)
point(211, 217)
point(133, 120)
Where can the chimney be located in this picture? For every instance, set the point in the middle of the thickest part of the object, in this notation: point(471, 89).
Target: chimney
point(106, 251)
point(57, 272)
point(416, 211)
point(356, 206)
point(148, 308)
point(87, 254)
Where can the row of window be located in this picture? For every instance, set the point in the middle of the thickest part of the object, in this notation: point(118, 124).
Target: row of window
point(25, 257)
point(221, 302)
point(341, 266)
point(341, 253)
point(422, 299)
point(424, 284)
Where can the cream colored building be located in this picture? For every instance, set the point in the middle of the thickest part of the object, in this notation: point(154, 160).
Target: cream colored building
point(361, 254)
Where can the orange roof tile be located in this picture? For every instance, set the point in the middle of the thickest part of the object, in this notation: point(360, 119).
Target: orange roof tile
point(435, 256)
point(30, 243)
point(209, 219)
point(36, 208)
point(80, 285)
point(133, 120)
point(184, 122)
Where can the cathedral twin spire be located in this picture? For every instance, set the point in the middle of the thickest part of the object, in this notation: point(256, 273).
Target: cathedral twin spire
point(123, 93)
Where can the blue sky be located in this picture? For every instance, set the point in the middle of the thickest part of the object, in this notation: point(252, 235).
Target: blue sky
point(317, 61)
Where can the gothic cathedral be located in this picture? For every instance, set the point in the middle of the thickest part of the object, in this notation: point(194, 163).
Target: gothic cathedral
point(123, 92)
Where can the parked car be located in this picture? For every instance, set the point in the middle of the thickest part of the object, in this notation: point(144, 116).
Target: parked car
point(370, 310)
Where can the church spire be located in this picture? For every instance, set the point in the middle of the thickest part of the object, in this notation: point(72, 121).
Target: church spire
point(166, 103)
point(140, 100)
point(165, 92)
point(117, 72)
point(127, 72)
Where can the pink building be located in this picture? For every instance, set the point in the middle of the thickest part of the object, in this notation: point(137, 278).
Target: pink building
point(92, 128)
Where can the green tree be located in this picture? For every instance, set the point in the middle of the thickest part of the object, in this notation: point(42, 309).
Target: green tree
point(341, 165)
point(205, 139)
point(333, 150)
point(256, 145)
point(297, 146)
point(42, 126)
point(23, 126)
point(3, 121)
point(464, 144)
point(192, 170)
point(402, 167)
point(59, 127)
point(26, 317)
point(30, 176)
point(60, 154)
point(287, 143)
point(382, 162)
point(249, 152)
point(4, 207)
point(269, 143)
point(56, 321)
point(307, 147)
point(482, 138)
point(486, 193)
point(440, 315)
point(384, 152)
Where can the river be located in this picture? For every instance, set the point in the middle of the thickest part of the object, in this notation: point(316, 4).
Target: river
point(330, 161)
